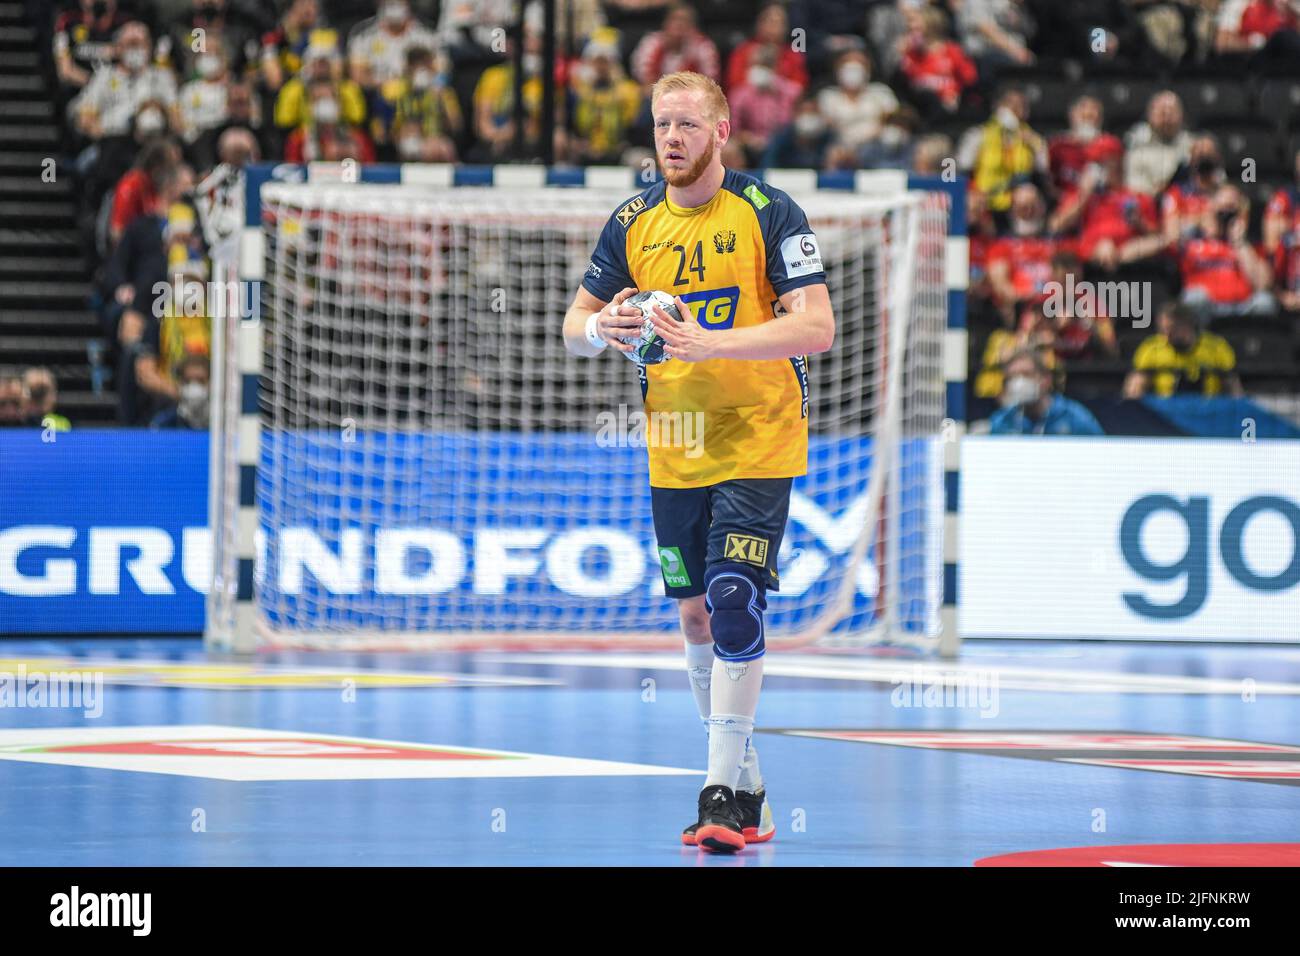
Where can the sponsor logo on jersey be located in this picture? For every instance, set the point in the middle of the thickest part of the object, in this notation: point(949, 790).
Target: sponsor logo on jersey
point(724, 241)
point(593, 270)
point(756, 197)
point(657, 245)
point(714, 308)
point(630, 211)
point(801, 255)
point(747, 548)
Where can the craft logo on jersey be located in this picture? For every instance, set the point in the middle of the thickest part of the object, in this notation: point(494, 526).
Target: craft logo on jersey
point(714, 308)
point(630, 211)
point(724, 241)
point(747, 548)
point(661, 244)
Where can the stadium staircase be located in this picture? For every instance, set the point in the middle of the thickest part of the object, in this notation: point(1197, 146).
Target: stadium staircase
point(45, 280)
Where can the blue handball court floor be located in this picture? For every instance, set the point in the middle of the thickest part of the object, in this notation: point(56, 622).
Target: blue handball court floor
point(151, 752)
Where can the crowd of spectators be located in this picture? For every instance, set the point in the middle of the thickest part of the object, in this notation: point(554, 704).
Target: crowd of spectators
point(167, 100)
point(29, 398)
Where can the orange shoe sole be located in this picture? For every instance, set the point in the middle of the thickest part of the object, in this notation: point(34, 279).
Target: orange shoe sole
point(717, 839)
point(751, 836)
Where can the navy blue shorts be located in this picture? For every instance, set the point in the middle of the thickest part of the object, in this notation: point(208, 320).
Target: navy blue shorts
point(742, 520)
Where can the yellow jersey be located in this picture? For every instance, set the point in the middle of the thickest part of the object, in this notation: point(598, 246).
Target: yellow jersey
point(729, 260)
point(1201, 370)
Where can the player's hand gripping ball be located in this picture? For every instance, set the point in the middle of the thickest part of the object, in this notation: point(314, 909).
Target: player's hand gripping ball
point(648, 347)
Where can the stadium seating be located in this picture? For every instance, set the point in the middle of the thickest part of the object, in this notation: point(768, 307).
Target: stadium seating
point(53, 251)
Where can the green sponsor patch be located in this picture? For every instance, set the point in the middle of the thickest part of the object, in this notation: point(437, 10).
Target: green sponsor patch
point(756, 197)
point(674, 568)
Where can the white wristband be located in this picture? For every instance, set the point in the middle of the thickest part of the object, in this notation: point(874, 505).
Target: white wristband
point(593, 336)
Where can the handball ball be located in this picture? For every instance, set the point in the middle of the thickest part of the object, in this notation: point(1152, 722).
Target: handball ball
point(648, 347)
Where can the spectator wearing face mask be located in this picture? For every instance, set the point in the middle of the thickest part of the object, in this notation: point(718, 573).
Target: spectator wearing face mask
point(377, 47)
point(893, 148)
point(83, 41)
point(1184, 203)
point(1223, 274)
point(320, 63)
point(1002, 149)
point(201, 103)
point(111, 100)
point(604, 104)
point(1032, 406)
point(327, 136)
point(1020, 263)
point(772, 34)
point(182, 323)
point(1156, 148)
point(210, 26)
point(1069, 153)
point(41, 392)
point(114, 158)
point(855, 107)
point(1183, 358)
point(760, 105)
point(426, 116)
point(802, 143)
point(191, 408)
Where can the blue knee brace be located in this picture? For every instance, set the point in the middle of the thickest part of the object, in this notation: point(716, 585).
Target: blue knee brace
point(736, 598)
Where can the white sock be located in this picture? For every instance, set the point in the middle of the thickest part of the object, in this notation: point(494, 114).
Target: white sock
point(699, 668)
point(751, 780)
point(734, 701)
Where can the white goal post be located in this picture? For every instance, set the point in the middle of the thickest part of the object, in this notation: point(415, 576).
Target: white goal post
point(405, 456)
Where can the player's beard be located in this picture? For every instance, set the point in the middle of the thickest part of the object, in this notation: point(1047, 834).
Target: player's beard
point(681, 178)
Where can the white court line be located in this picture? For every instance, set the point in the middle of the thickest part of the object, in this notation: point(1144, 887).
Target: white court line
point(1009, 677)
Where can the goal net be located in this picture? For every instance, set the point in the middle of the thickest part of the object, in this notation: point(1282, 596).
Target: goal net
point(434, 469)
